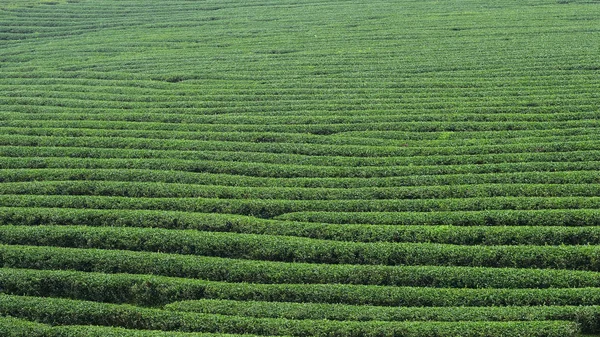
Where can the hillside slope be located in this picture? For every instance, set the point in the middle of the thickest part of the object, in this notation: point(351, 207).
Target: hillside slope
point(299, 168)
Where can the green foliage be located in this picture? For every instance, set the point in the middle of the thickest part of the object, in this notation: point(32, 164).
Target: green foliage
point(198, 178)
point(152, 290)
point(103, 331)
point(396, 154)
point(14, 327)
point(431, 227)
point(263, 208)
point(241, 270)
point(304, 168)
point(294, 249)
point(586, 316)
point(61, 311)
point(501, 218)
point(162, 190)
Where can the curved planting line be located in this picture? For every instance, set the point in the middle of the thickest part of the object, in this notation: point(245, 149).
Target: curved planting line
point(296, 249)
point(61, 311)
point(240, 270)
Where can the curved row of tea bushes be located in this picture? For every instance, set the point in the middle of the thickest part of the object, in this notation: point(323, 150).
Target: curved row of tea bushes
point(392, 155)
point(62, 311)
point(263, 208)
point(20, 120)
point(315, 144)
point(323, 128)
point(197, 178)
point(510, 217)
point(577, 162)
point(170, 190)
point(16, 327)
point(587, 316)
point(299, 168)
point(154, 290)
point(240, 108)
point(239, 270)
point(295, 249)
point(546, 227)
point(50, 128)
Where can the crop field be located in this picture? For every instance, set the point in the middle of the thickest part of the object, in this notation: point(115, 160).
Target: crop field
point(300, 168)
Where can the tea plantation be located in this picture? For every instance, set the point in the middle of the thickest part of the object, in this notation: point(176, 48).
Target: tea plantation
point(299, 168)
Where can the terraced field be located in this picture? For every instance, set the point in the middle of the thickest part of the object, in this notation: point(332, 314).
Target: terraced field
point(299, 168)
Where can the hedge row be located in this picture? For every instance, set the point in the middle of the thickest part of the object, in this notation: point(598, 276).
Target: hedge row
point(105, 331)
point(324, 128)
point(138, 89)
point(151, 290)
point(537, 218)
point(422, 107)
point(294, 249)
point(62, 311)
point(270, 144)
point(577, 161)
point(474, 228)
point(328, 155)
point(118, 80)
point(586, 316)
point(314, 112)
point(170, 190)
point(198, 178)
point(50, 129)
point(18, 120)
point(230, 270)
point(241, 108)
point(273, 208)
point(483, 137)
point(15, 327)
point(76, 147)
point(238, 110)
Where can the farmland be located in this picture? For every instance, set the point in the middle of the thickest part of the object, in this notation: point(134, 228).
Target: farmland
point(299, 168)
